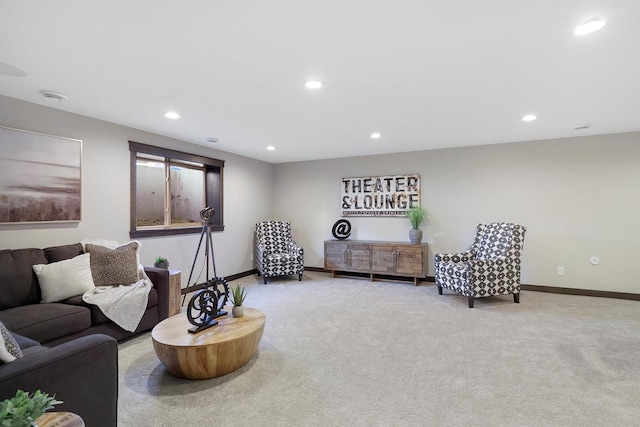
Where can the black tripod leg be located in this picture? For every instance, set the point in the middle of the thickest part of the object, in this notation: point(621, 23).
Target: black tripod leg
point(195, 258)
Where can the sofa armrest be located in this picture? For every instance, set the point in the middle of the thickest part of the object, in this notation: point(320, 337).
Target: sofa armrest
point(160, 279)
point(83, 373)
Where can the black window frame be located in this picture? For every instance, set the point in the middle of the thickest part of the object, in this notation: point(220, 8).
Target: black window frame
point(214, 169)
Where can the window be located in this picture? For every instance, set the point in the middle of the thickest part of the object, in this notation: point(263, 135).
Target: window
point(169, 189)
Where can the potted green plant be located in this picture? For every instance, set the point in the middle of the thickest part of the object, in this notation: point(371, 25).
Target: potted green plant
point(161, 262)
point(416, 215)
point(238, 294)
point(24, 409)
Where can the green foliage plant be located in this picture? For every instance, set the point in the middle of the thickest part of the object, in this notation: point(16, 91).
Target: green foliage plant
point(238, 294)
point(416, 215)
point(162, 260)
point(23, 409)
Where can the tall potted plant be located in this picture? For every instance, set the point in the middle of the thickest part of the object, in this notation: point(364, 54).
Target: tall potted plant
point(416, 215)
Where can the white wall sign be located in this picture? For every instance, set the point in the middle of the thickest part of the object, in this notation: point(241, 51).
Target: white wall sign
point(379, 195)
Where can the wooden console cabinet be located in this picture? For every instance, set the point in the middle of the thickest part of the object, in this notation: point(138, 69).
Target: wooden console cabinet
point(373, 257)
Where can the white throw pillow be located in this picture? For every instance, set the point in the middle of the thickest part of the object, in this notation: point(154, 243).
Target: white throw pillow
point(64, 279)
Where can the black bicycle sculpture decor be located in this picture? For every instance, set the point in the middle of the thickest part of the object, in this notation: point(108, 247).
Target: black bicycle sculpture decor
point(206, 304)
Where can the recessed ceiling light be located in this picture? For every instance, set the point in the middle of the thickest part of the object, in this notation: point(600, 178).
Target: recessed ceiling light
point(271, 148)
point(172, 115)
point(313, 84)
point(529, 118)
point(375, 135)
point(51, 95)
point(589, 27)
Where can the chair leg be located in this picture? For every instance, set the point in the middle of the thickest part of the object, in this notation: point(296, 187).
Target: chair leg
point(516, 298)
point(439, 290)
point(299, 277)
point(265, 279)
point(471, 300)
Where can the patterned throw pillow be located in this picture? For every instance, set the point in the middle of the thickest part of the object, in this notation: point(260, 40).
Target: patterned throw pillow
point(9, 348)
point(114, 267)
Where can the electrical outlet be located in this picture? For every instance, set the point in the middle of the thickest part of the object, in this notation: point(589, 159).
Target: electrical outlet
point(560, 270)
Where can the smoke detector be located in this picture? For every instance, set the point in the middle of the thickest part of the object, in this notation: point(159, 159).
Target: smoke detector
point(51, 95)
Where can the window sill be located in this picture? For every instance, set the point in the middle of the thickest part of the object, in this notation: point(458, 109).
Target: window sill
point(171, 231)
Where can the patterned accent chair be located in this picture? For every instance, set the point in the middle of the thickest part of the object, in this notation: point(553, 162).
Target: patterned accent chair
point(276, 252)
point(491, 266)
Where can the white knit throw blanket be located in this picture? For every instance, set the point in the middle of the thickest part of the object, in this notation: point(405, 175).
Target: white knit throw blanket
point(124, 305)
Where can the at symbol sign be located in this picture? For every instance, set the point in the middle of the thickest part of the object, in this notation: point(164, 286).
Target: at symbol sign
point(341, 229)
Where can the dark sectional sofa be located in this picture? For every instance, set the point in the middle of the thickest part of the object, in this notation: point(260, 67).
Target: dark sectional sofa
point(70, 347)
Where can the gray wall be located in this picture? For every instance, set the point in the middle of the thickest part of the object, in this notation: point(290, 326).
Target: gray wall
point(248, 185)
point(578, 198)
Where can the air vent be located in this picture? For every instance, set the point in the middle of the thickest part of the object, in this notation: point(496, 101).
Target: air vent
point(51, 95)
point(582, 127)
point(213, 140)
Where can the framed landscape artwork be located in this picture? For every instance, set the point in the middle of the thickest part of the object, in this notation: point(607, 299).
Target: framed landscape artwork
point(39, 177)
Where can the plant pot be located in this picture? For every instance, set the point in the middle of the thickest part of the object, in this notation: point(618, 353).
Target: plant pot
point(237, 311)
point(161, 265)
point(415, 236)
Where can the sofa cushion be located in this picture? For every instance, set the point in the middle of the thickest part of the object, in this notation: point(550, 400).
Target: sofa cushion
point(97, 316)
point(60, 253)
point(18, 282)
point(46, 322)
point(64, 279)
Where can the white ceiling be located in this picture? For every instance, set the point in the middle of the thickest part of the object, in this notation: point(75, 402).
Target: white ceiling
point(425, 73)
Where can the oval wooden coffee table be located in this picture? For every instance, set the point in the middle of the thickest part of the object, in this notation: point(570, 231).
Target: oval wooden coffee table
point(211, 353)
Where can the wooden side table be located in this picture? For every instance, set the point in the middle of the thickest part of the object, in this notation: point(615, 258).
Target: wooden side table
point(175, 295)
point(59, 419)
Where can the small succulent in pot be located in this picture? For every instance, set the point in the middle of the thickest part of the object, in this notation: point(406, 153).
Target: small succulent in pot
point(161, 262)
point(238, 295)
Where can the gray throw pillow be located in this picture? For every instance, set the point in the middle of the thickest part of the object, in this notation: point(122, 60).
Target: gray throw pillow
point(114, 267)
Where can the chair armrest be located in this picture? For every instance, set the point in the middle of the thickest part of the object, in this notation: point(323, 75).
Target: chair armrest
point(160, 279)
point(491, 265)
point(456, 257)
point(293, 247)
point(260, 249)
point(83, 373)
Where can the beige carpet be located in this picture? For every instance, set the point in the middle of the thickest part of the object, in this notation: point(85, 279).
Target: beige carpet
point(349, 352)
